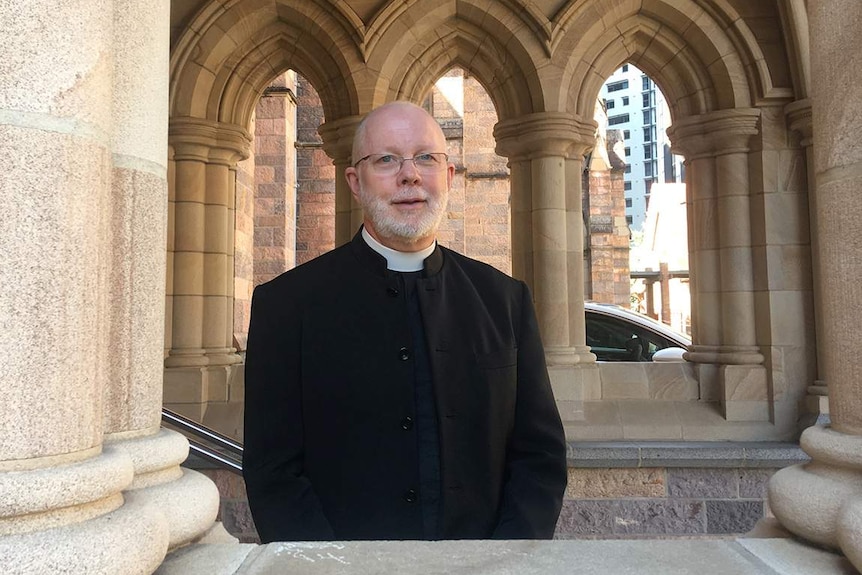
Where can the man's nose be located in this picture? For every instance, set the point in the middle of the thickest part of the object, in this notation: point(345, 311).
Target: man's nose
point(408, 174)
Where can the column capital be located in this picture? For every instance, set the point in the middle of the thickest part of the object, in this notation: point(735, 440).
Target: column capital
point(714, 133)
point(208, 141)
point(338, 137)
point(544, 134)
point(798, 115)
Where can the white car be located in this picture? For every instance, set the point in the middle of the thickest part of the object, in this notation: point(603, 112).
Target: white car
point(618, 334)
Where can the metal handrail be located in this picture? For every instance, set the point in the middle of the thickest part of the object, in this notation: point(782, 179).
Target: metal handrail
point(225, 451)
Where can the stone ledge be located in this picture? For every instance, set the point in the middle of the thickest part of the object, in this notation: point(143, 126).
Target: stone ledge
point(684, 454)
point(599, 557)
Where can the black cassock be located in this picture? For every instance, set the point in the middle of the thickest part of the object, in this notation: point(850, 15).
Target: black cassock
point(331, 444)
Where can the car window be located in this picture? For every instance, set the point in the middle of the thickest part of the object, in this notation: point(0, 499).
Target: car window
point(613, 339)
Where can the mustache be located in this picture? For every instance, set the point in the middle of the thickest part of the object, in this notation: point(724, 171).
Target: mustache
point(409, 194)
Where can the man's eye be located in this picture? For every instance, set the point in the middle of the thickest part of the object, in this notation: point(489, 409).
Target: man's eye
point(425, 158)
point(385, 159)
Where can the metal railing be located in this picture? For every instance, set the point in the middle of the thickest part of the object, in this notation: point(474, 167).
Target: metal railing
point(205, 443)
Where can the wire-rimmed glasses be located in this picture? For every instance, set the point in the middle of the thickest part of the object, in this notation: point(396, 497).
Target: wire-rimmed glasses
point(388, 164)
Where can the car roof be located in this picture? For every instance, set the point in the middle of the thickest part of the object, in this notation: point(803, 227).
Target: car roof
point(612, 310)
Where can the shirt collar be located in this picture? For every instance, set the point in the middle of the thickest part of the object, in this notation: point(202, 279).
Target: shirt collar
point(399, 261)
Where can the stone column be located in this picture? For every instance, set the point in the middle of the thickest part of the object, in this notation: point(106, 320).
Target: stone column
point(546, 142)
point(62, 509)
point(521, 202)
point(822, 500)
point(201, 358)
point(799, 118)
point(716, 146)
point(133, 396)
point(338, 144)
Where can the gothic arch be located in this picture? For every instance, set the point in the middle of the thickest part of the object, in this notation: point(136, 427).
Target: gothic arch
point(492, 43)
point(702, 54)
point(229, 52)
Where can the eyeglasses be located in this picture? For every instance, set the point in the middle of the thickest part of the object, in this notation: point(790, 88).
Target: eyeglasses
point(389, 164)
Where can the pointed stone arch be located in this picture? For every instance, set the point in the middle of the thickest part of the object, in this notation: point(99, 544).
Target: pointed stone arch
point(704, 57)
point(229, 52)
point(493, 43)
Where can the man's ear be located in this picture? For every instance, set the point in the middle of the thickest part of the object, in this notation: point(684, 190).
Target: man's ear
point(352, 181)
point(450, 174)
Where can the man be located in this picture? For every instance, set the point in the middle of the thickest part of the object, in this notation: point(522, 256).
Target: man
point(394, 388)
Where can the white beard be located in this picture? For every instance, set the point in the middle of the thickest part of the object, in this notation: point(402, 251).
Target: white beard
point(390, 223)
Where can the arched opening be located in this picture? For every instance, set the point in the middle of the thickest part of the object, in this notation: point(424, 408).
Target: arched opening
point(652, 202)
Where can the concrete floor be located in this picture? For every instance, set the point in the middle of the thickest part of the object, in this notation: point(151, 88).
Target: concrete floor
point(780, 556)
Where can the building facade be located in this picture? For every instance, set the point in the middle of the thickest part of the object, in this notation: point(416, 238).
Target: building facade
point(637, 107)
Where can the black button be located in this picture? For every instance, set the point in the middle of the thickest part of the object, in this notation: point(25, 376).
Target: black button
point(407, 423)
point(410, 496)
point(404, 354)
point(393, 292)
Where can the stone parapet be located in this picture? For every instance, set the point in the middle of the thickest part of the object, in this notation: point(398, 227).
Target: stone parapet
point(708, 556)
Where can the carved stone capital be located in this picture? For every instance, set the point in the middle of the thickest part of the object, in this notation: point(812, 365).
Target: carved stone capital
point(338, 137)
point(202, 140)
point(799, 118)
point(545, 134)
point(715, 133)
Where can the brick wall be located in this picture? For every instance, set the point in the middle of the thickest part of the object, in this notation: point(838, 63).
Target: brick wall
point(607, 503)
point(275, 179)
point(315, 194)
point(607, 249)
point(662, 502)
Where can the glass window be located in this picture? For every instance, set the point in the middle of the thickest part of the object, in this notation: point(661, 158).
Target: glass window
point(625, 67)
point(628, 202)
point(627, 151)
point(617, 86)
point(627, 186)
point(626, 134)
point(629, 222)
point(647, 116)
point(628, 169)
point(621, 119)
point(646, 100)
point(609, 104)
point(648, 169)
point(647, 134)
point(645, 83)
point(647, 152)
point(625, 101)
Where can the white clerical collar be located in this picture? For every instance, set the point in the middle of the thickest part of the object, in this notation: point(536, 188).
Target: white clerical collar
point(399, 261)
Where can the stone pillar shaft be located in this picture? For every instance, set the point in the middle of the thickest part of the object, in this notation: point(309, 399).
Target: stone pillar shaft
point(822, 500)
point(735, 261)
point(81, 263)
point(522, 221)
point(550, 283)
point(716, 146)
point(546, 154)
point(338, 144)
point(201, 357)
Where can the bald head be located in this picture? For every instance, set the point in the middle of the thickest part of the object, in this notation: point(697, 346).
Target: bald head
point(382, 118)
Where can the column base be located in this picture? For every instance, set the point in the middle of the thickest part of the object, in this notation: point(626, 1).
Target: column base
point(740, 389)
point(131, 540)
point(189, 500)
point(821, 501)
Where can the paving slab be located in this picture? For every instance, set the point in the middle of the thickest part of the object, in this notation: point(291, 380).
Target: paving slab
point(584, 557)
point(790, 557)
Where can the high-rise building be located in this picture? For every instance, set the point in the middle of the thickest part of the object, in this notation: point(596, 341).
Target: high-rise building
point(637, 107)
